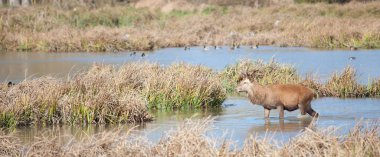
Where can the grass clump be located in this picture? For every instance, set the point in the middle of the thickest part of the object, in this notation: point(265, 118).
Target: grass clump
point(34, 101)
point(95, 97)
point(179, 86)
point(106, 94)
point(49, 101)
point(264, 73)
point(345, 85)
point(342, 84)
point(190, 139)
point(184, 86)
point(373, 88)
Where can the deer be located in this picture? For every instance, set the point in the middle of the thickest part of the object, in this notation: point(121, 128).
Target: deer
point(282, 97)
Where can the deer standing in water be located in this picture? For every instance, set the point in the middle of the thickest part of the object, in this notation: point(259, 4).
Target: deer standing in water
point(282, 97)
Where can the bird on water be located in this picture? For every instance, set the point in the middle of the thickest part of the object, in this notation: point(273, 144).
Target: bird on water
point(10, 84)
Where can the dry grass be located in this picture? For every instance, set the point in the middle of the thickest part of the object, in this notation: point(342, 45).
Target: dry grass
point(117, 28)
point(107, 94)
point(179, 86)
point(345, 84)
point(374, 87)
point(46, 101)
point(342, 84)
point(190, 139)
point(262, 72)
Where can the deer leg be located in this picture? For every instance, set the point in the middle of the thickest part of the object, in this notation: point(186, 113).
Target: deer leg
point(281, 111)
point(267, 123)
point(311, 112)
point(302, 109)
point(266, 113)
point(282, 124)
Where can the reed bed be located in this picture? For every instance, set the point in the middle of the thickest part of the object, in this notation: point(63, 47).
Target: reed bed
point(106, 94)
point(126, 94)
point(179, 86)
point(49, 28)
point(190, 139)
point(50, 101)
point(343, 84)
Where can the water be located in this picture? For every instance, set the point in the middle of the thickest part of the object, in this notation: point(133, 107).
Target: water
point(21, 65)
point(241, 119)
point(238, 117)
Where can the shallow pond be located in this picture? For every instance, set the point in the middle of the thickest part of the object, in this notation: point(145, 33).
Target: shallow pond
point(21, 65)
point(238, 119)
point(237, 116)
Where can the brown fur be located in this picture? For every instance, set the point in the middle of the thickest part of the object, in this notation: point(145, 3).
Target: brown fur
point(288, 97)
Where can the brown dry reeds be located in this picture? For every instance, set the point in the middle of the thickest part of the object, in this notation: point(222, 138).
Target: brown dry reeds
point(342, 84)
point(190, 139)
point(345, 84)
point(108, 94)
point(118, 28)
point(264, 73)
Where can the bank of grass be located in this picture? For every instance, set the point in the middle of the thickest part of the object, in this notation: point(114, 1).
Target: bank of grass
point(340, 84)
point(106, 94)
point(191, 139)
point(50, 28)
point(50, 101)
point(179, 86)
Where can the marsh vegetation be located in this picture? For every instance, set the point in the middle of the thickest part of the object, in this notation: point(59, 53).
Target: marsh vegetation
point(93, 96)
point(190, 139)
point(106, 94)
point(107, 27)
point(132, 92)
point(340, 84)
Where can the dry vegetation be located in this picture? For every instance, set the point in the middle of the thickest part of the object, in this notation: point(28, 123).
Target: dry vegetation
point(69, 28)
point(107, 94)
point(190, 139)
point(342, 84)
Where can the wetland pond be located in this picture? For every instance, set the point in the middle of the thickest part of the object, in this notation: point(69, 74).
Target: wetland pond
point(237, 116)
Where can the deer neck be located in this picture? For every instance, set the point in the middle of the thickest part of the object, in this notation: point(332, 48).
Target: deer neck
point(257, 94)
